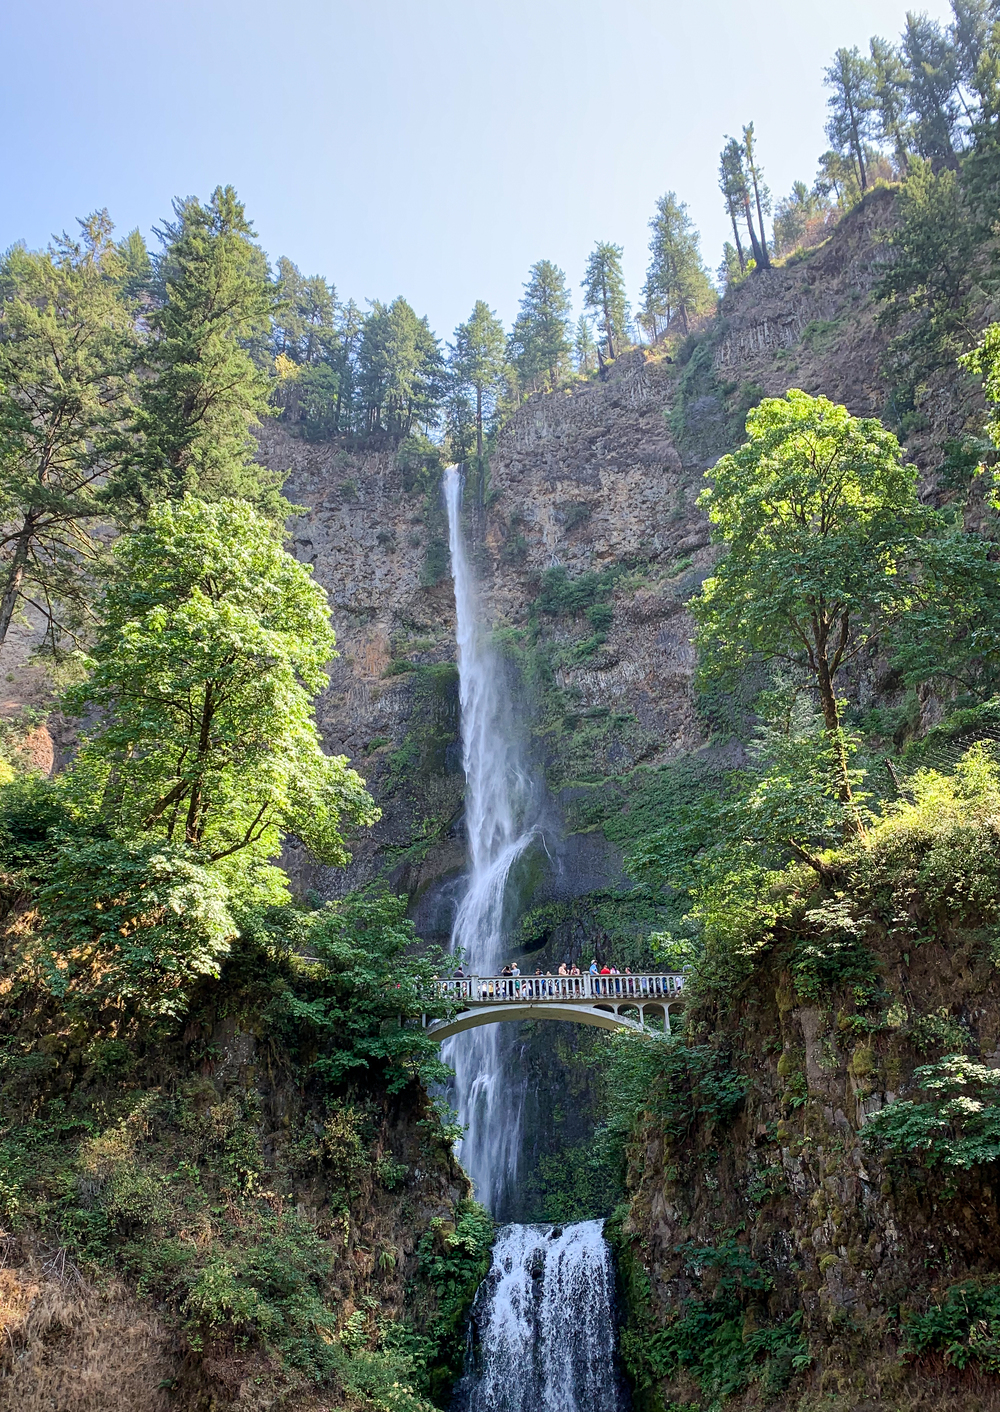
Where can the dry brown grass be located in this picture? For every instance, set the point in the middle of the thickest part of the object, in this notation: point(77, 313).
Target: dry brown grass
point(68, 1347)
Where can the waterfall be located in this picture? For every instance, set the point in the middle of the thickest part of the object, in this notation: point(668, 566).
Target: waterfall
point(542, 1333)
point(500, 822)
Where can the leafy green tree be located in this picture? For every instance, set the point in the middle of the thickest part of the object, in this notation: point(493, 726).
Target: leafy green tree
point(366, 975)
point(677, 283)
point(129, 928)
point(66, 341)
point(213, 640)
point(400, 371)
point(202, 390)
point(851, 77)
point(539, 343)
point(604, 294)
point(477, 364)
point(820, 517)
point(584, 347)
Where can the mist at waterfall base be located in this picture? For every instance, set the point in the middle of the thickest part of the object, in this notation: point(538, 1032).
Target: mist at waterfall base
point(502, 819)
point(542, 1330)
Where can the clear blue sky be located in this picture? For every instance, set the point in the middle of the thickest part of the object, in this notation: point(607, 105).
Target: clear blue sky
point(432, 149)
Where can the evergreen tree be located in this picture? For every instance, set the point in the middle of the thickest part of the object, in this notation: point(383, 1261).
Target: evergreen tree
point(304, 319)
point(795, 215)
point(731, 268)
point(66, 344)
point(735, 184)
point(677, 283)
point(932, 86)
point(603, 287)
point(137, 278)
point(837, 176)
point(350, 327)
point(975, 35)
point(761, 194)
point(584, 347)
point(203, 390)
point(539, 345)
point(732, 184)
point(852, 105)
point(478, 358)
point(889, 85)
point(400, 371)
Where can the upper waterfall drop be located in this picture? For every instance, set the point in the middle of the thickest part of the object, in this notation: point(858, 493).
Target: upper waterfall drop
point(501, 820)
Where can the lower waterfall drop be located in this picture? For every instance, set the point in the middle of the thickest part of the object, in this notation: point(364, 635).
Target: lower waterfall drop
point(542, 1334)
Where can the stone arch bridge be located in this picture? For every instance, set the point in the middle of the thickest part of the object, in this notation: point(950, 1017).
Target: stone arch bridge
point(609, 1002)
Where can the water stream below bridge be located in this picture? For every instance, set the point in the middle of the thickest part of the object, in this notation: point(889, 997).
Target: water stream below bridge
point(543, 1334)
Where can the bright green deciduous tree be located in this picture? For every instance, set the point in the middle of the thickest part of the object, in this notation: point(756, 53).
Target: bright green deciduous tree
point(603, 286)
point(66, 340)
point(213, 642)
point(130, 927)
point(203, 390)
point(677, 283)
point(820, 517)
point(540, 339)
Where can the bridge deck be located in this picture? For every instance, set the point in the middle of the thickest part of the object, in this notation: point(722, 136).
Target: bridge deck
point(521, 990)
point(610, 1002)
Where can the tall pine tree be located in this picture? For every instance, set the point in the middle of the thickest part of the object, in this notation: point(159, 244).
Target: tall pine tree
point(677, 283)
point(203, 388)
point(66, 348)
point(604, 294)
point(539, 345)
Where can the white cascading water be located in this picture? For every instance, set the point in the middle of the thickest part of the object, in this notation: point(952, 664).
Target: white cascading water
point(499, 826)
point(542, 1332)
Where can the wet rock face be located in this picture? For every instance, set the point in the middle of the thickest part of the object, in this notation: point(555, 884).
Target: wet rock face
point(587, 480)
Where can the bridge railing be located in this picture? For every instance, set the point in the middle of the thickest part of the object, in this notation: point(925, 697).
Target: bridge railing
point(491, 990)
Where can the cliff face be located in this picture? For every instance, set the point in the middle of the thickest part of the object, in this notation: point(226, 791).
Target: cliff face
point(785, 1254)
point(588, 481)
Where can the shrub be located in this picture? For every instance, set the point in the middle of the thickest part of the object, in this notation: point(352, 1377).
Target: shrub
point(964, 1327)
point(958, 1125)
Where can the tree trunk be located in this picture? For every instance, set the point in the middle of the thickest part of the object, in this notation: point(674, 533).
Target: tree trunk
point(15, 577)
point(754, 242)
point(831, 720)
point(764, 256)
point(736, 236)
point(481, 491)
